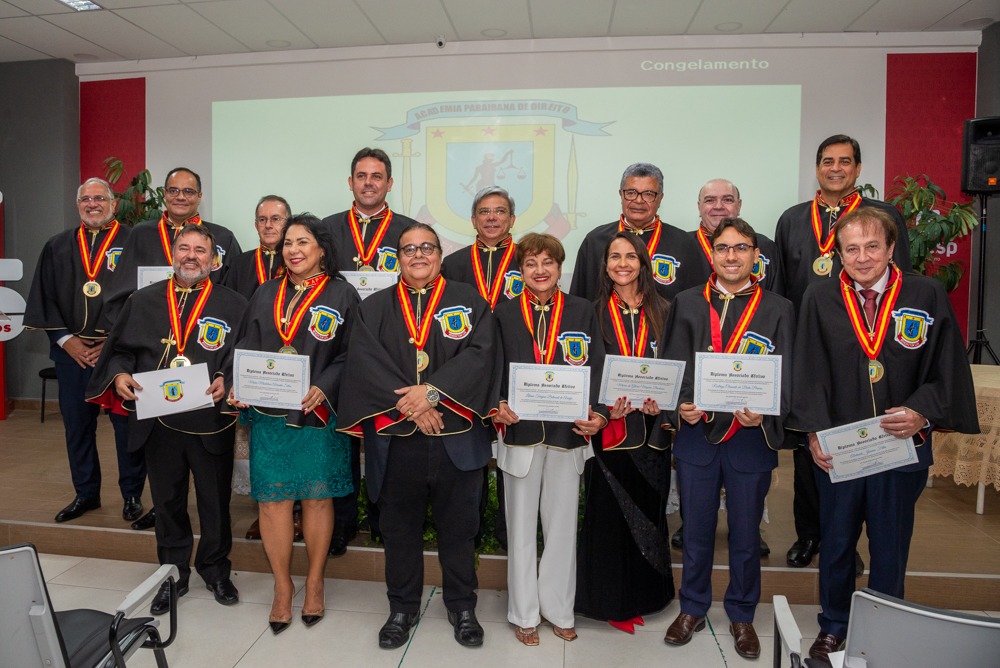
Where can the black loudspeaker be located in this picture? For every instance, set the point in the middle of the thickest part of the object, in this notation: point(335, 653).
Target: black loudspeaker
point(981, 158)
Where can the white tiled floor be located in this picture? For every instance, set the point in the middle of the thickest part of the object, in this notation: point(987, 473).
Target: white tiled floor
point(212, 636)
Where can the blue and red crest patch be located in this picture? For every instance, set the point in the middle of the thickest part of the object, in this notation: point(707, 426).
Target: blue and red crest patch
point(574, 347)
point(323, 322)
point(111, 257)
point(454, 321)
point(759, 270)
point(911, 327)
point(665, 268)
point(220, 254)
point(388, 260)
point(513, 284)
point(212, 333)
point(173, 390)
point(753, 343)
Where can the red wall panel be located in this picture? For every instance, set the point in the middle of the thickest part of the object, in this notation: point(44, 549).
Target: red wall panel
point(112, 123)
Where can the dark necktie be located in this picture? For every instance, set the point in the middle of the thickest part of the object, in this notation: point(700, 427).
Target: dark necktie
point(870, 305)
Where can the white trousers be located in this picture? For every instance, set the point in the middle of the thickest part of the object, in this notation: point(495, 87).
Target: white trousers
point(546, 588)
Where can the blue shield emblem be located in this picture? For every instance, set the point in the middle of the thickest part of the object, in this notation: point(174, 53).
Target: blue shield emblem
point(513, 284)
point(759, 270)
point(323, 322)
point(454, 321)
point(111, 258)
point(754, 344)
point(212, 333)
point(173, 390)
point(911, 327)
point(219, 255)
point(665, 268)
point(862, 433)
point(737, 366)
point(388, 260)
point(574, 347)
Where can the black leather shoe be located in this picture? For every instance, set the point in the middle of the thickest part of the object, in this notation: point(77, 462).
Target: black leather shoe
point(677, 540)
point(859, 565)
point(765, 549)
point(396, 630)
point(801, 552)
point(132, 509)
point(468, 630)
point(161, 602)
point(147, 521)
point(77, 508)
point(225, 592)
point(823, 645)
point(338, 545)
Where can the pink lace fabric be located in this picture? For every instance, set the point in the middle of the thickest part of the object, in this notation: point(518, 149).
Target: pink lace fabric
point(971, 459)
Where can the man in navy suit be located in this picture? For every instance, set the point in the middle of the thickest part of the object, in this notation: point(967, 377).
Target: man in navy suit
point(731, 313)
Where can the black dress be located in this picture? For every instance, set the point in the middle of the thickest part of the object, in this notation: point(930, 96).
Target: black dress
point(623, 559)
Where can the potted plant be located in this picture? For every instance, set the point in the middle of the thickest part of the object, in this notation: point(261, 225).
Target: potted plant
point(139, 201)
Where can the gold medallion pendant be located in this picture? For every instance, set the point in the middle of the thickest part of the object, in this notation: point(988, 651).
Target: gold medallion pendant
point(422, 360)
point(91, 288)
point(367, 267)
point(875, 371)
point(823, 265)
point(179, 361)
point(288, 350)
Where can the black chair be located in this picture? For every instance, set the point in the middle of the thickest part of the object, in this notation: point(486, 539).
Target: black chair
point(46, 375)
point(32, 635)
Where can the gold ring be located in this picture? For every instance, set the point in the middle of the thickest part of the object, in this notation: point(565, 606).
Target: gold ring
point(409, 413)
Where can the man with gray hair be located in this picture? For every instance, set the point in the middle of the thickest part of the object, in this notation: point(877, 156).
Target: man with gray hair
point(673, 253)
point(253, 267)
point(66, 300)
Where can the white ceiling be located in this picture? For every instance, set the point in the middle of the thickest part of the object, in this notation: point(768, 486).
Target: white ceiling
point(128, 30)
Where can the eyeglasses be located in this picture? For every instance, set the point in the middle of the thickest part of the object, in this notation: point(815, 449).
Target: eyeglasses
point(174, 192)
point(499, 211)
point(96, 199)
point(712, 199)
point(647, 195)
point(722, 249)
point(274, 220)
point(426, 248)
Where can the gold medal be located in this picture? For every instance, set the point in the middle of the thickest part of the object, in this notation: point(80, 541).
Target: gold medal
point(288, 350)
point(91, 288)
point(422, 360)
point(367, 267)
point(875, 371)
point(823, 265)
point(179, 361)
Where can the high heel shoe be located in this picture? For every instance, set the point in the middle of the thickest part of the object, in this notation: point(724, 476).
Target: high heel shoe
point(279, 625)
point(310, 618)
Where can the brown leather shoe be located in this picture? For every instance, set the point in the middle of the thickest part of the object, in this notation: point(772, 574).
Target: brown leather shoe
point(683, 629)
point(823, 645)
point(745, 640)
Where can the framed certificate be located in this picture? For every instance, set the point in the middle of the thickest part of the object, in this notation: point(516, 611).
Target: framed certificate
point(862, 448)
point(149, 275)
point(369, 282)
point(173, 390)
point(270, 380)
point(549, 392)
point(640, 377)
point(731, 382)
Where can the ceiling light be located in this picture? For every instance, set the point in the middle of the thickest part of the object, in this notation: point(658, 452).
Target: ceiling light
point(278, 43)
point(977, 24)
point(731, 26)
point(493, 32)
point(81, 5)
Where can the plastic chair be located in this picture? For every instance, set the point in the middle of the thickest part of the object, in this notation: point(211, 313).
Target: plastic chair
point(32, 635)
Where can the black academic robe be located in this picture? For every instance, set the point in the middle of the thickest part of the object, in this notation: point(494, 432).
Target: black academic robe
point(797, 247)
point(458, 267)
point(579, 323)
point(463, 365)
point(242, 275)
point(634, 430)
point(386, 257)
point(769, 332)
point(322, 336)
point(676, 265)
point(767, 270)
point(56, 302)
point(923, 356)
point(135, 345)
point(145, 249)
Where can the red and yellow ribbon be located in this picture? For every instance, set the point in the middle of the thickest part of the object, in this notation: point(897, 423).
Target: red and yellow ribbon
point(554, 322)
point(419, 333)
point(491, 293)
point(741, 326)
point(706, 247)
point(359, 242)
point(288, 329)
point(654, 240)
point(181, 335)
point(262, 274)
point(826, 245)
point(642, 334)
point(92, 267)
point(167, 241)
point(871, 340)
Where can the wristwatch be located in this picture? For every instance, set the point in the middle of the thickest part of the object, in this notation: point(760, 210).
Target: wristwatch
point(433, 397)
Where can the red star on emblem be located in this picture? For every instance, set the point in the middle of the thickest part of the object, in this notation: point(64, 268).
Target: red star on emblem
point(540, 132)
point(489, 131)
point(437, 134)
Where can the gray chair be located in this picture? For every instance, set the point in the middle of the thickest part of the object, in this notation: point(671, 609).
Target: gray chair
point(886, 632)
point(33, 635)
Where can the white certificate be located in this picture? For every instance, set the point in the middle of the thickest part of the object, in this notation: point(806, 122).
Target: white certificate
point(149, 275)
point(549, 392)
point(173, 390)
point(862, 448)
point(270, 380)
point(640, 377)
point(368, 283)
point(731, 382)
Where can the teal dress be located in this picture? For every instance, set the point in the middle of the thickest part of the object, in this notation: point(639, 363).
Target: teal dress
point(289, 463)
